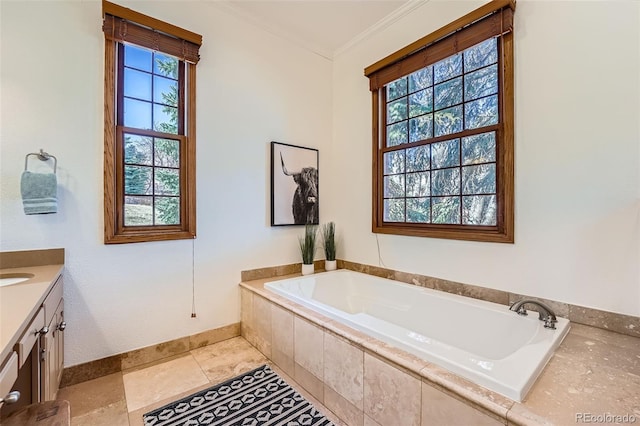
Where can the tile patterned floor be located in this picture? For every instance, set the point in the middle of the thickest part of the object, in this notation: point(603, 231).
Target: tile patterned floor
point(121, 399)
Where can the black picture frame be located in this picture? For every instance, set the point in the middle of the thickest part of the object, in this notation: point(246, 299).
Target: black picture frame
point(294, 185)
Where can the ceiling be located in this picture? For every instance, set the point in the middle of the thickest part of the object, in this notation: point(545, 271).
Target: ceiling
point(323, 26)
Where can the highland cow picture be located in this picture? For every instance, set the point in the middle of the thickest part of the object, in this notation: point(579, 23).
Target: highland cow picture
point(294, 185)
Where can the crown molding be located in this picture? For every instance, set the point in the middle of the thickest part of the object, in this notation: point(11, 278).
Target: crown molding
point(394, 16)
point(228, 6)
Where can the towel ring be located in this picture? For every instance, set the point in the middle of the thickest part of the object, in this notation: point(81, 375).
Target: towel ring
point(42, 156)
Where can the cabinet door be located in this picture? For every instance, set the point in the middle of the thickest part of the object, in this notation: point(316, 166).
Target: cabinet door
point(53, 355)
point(59, 347)
point(47, 360)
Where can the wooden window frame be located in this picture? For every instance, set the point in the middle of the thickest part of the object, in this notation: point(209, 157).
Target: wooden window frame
point(125, 25)
point(492, 19)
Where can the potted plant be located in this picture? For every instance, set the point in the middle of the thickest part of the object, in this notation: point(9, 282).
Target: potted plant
point(329, 245)
point(308, 248)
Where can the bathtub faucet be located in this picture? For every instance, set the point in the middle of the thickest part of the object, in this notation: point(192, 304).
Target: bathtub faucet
point(545, 313)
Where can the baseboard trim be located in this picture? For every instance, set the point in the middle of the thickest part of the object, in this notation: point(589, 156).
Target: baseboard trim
point(149, 354)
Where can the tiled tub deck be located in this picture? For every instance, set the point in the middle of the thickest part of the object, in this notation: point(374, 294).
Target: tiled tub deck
point(367, 382)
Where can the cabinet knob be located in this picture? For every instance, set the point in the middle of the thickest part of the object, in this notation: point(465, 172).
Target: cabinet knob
point(11, 398)
point(44, 330)
point(62, 326)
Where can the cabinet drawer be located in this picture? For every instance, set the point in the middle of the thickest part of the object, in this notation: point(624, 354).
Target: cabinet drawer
point(52, 300)
point(30, 337)
point(8, 374)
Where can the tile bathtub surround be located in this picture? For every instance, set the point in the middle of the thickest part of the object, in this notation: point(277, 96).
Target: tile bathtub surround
point(620, 323)
point(355, 376)
point(592, 368)
point(113, 364)
point(23, 258)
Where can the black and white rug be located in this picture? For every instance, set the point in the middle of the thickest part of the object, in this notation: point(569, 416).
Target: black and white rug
point(259, 397)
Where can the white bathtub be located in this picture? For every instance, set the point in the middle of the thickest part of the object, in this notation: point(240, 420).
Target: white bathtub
point(482, 341)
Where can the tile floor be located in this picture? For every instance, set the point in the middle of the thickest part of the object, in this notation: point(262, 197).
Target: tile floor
point(121, 399)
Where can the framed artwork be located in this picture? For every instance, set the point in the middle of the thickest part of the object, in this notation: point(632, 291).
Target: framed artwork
point(294, 185)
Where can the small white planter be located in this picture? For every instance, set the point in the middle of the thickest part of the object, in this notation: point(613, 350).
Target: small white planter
point(330, 265)
point(307, 269)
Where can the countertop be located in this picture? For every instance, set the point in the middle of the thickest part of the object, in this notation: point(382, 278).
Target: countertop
point(593, 373)
point(20, 302)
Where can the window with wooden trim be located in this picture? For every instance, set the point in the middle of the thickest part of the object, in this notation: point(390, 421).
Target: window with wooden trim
point(443, 131)
point(149, 167)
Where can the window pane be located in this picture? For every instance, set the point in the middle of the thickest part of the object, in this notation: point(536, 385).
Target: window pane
point(479, 210)
point(481, 55)
point(167, 152)
point(393, 210)
point(447, 68)
point(137, 149)
point(448, 121)
point(394, 186)
point(165, 91)
point(165, 65)
point(137, 84)
point(480, 113)
point(167, 210)
point(418, 158)
point(137, 57)
point(418, 184)
point(138, 211)
point(481, 83)
point(396, 89)
point(421, 128)
point(394, 162)
point(421, 102)
point(449, 93)
point(445, 182)
point(137, 180)
point(137, 114)
point(397, 110)
point(445, 210)
point(479, 148)
point(445, 154)
point(418, 210)
point(421, 79)
point(167, 181)
point(397, 134)
point(479, 179)
point(165, 119)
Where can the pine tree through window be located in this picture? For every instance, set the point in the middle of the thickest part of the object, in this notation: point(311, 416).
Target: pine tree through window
point(149, 128)
point(443, 131)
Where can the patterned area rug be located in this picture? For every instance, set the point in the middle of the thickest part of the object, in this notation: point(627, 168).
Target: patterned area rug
point(259, 397)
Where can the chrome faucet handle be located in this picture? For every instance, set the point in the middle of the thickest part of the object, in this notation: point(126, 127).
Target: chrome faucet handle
point(522, 311)
point(550, 322)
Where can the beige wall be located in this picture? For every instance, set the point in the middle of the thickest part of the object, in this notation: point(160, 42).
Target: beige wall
point(577, 166)
point(252, 88)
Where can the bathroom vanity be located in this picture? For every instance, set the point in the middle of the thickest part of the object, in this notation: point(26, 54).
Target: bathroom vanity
point(31, 329)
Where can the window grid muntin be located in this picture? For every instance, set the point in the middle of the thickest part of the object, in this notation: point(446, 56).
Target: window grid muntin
point(121, 82)
point(153, 167)
point(460, 167)
point(153, 133)
point(385, 148)
point(431, 69)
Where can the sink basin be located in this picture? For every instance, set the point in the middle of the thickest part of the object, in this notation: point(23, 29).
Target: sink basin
point(11, 279)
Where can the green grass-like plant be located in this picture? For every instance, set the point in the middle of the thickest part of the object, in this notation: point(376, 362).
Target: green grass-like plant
point(308, 244)
point(329, 240)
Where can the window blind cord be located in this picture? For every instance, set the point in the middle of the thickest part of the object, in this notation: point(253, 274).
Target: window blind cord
point(380, 261)
point(193, 278)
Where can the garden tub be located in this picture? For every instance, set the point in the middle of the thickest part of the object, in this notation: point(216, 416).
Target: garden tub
point(481, 341)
